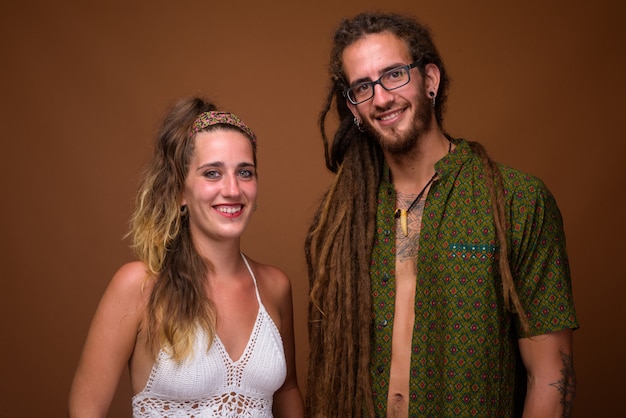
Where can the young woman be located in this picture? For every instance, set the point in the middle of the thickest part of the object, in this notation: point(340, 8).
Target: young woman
point(204, 330)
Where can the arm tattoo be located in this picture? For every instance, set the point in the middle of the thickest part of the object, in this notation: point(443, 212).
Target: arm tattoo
point(567, 384)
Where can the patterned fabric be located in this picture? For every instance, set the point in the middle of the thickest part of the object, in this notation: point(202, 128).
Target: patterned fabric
point(464, 342)
point(207, 119)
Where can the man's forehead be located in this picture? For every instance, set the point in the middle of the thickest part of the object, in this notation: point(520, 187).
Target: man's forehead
point(373, 54)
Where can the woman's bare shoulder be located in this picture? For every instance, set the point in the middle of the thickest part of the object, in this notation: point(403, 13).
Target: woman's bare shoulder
point(274, 285)
point(269, 275)
point(131, 280)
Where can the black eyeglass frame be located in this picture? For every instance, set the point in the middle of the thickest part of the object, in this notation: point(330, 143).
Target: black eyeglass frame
point(373, 83)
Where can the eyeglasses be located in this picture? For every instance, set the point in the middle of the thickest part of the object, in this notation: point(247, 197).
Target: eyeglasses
point(390, 80)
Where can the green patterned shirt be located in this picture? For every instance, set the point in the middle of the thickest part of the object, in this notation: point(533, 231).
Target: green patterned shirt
point(464, 341)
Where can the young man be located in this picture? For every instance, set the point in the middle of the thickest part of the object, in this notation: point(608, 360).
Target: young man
point(435, 273)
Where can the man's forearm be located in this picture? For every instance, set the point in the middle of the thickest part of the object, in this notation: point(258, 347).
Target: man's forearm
point(552, 397)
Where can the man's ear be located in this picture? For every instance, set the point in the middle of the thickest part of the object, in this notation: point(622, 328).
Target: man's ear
point(353, 109)
point(432, 75)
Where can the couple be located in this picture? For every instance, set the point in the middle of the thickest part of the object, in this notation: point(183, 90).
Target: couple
point(436, 274)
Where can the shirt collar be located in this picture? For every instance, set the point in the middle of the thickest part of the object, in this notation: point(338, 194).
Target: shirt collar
point(448, 164)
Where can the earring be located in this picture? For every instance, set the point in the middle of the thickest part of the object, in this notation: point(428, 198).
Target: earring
point(357, 122)
point(183, 211)
point(433, 98)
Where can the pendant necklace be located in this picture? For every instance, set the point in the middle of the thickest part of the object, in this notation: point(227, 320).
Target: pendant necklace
point(402, 213)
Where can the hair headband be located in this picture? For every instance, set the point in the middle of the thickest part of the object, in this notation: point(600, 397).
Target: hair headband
point(207, 119)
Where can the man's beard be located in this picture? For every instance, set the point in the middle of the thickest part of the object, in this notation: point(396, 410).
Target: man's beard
point(399, 143)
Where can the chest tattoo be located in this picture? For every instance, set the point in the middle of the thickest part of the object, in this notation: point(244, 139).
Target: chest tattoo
point(407, 246)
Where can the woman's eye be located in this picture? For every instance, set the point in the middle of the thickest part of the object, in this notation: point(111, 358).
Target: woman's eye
point(212, 174)
point(246, 173)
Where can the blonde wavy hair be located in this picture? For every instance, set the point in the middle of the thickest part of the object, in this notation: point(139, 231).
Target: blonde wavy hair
point(178, 302)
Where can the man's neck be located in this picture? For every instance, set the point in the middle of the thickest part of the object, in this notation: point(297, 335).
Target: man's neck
point(410, 171)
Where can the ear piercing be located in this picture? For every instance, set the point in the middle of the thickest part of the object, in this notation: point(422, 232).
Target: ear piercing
point(357, 122)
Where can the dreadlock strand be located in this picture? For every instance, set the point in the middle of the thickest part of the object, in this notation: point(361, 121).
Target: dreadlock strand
point(346, 322)
point(338, 248)
point(337, 296)
point(322, 125)
point(361, 160)
point(505, 268)
point(495, 185)
point(324, 249)
point(364, 234)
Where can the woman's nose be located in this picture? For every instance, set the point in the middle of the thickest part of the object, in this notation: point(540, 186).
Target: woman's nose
point(231, 186)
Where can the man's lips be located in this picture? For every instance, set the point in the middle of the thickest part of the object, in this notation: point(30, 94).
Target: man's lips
point(389, 117)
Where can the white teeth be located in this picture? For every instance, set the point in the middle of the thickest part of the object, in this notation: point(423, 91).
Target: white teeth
point(393, 115)
point(229, 209)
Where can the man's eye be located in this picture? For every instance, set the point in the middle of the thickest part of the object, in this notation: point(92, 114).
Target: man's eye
point(399, 73)
point(362, 88)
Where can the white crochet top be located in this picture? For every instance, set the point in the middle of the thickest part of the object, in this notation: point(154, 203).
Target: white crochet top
point(210, 384)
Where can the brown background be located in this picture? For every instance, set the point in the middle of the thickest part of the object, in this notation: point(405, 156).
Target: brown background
point(84, 85)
